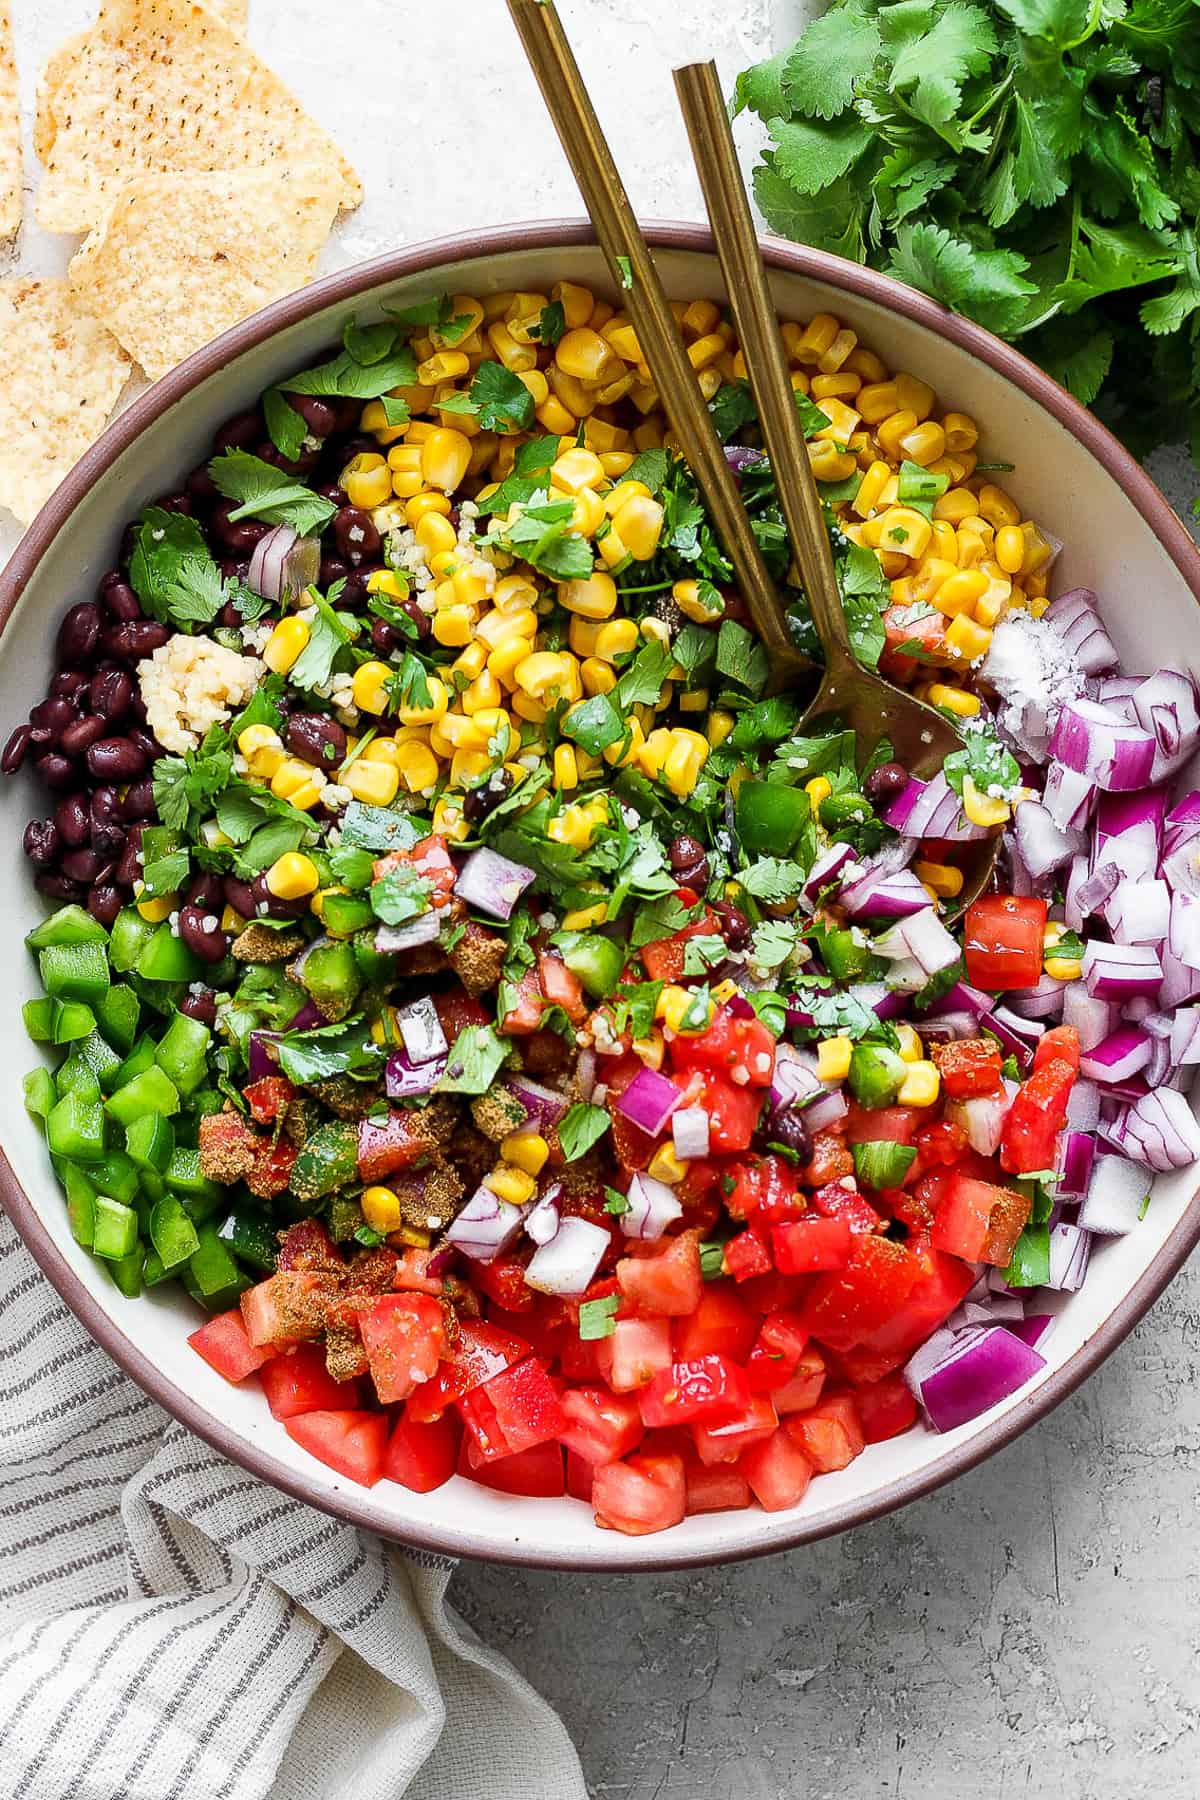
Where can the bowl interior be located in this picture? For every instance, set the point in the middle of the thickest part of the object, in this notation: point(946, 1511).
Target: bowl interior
point(1149, 607)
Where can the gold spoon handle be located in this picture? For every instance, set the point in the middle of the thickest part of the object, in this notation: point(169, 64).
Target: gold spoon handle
point(754, 312)
point(643, 298)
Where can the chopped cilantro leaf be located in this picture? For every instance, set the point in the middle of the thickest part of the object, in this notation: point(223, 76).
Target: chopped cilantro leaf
point(597, 1318)
point(264, 492)
point(580, 1127)
point(476, 1058)
point(552, 322)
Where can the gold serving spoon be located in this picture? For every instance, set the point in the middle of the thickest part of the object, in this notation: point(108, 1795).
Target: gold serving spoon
point(921, 737)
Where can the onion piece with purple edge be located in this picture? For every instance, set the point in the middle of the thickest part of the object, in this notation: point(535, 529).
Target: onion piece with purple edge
point(1033, 1329)
point(1018, 1037)
point(689, 1133)
point(1139, 912)
point(405, 1080)
point(1179, 983)
point(922, 937)
point(962, 997)
point(543, 1220)
point(1120, 813)
point(885, 893)
point(1119, 971)
point(1070, 1254)
point(931, 809)
point(1043, 844)
point(391, 939)
point(1162, 1131)
point(905, 976)
point(421, 1031)
point(1044, 1001)
point(1083, 1106)
point(487, 1226)
point(1116, 691)
point(795, 1076)
point(982, 1119)
point(1116, 1194)
point(652, 1207)
point(826, 1111)
point(1094, 741)
point(1068, 797)
point(1165, 705)
point(1182, 823)
point(827, 869)
point(1185, 1036)
point(1075, 619)
point(1077, 1153)
point(1183, 932)
point(544, 1106)
point(568, 1263)
point(649, 1101)
point(1123, 1052)
point(491, 883)
point(283, 565)
point(982, 1367)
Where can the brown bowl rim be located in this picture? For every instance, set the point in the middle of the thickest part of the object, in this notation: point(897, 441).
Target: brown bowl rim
point(343, 286)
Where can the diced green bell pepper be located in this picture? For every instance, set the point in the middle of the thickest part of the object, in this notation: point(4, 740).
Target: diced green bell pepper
point(117, 1014)
point(72, 1021)
point(844, 955)
point(839, 810)
point(40, 1093)
point(116, 1228)
point(219, 1301)
point(770, 817)
point(127, 1272)
point(597, 962)
point(140, 1057)
point(182, 1175)
point(172, 1232)
point(207, 1100)
point(876, 1075)
point(212, 1266)
point(328, 1159)
point(118, 1175)
point(69, 925)
point(74, 971)
point(331, 975)
point(163, 997)
point(149, 1141)
point(158, 841)
point(80, 1191)
point(130, 935)
point(37, 1016)
point(251, 1237)
point(378, 967)
point(344, 914)
point(167, 958)
point(183, 1052)
point(100, 1058)
point(153, 1271)
point(77, 1077)
point(151, 1091)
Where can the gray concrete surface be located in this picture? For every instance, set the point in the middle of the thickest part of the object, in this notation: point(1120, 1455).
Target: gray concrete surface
point(1032, 1630)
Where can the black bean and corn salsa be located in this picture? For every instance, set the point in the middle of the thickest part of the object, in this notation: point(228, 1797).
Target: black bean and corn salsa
point(540, 1060)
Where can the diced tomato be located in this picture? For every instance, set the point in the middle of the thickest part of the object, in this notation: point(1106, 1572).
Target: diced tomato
point(715, 1487)
point(979, 1222)
point(940, 1287)
point(525, 1014)
point(561, 987)
point(665, 1280)
point(404, 1336)
point(272, 1170)
point(886, 1408)
point(733, 1114)
point(969, 1067)
point(778, 1471)
point(846, 1305)
point(776, 1354)
point(268, 1097)
point(831, 1435)
point(883, 1124)
point(383, 1149)
point(1002, 941)
point(764, 1188)
point(938, 1146)
point(580, 1475)
point(601, 1427)
point(456, 1009)
point(536, 1472)
point(927, 632)
point(703, 1387)
point(842, 1200)
point(830, 1160)
point(723, 1440)
point(1058, 1045)
point(225, 1347)
point(503, 1280)
point(353, 1443)
point(412, 1273)
point(432, 859)
point(422, 1456)
point(512, 1411)
point(663, 958)
point(803, 1390)
point(307, 1245)
point(298, 1382)
point(729, 1045)
point(747, 1255)
point(1035, 1118)
point(810, 1245)
point(645, 1493)
point(480, 1351)
point(286, 1306)
point(640, 1348)
point(722, 1324)
point(774, 1293)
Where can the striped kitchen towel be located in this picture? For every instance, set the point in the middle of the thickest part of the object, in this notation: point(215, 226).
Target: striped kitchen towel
point(172, 1628)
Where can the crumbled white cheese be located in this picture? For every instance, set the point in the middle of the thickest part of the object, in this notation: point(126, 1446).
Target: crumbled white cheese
point(192, 683)
point(1034, 673)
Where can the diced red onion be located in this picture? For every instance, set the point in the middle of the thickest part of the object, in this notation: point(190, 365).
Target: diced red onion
point(1018, 1036)
point(261, 1056)
point(283, 565)
point(1116, 691)
point(1120, 813)
point(1141, 911)
point(1179, 983)
point(1185, 1036)
point(926, 1359)
point(1067, 796)
point(1183, 936)
point(544, 1218)
point(963, 998)
point(1033, 1330)
point(1158, 1068)
point(1165, 705)
point(568, 1263)
point(982, 1118)
point(1093, 1019)
point(1118, 971)
point(652, 1207)
point(1070, 1254)
point(487, 1226)
point(421, 1031)
point(905, 976)
point(1123, 1052)
point(1083, 1106)
point(1161, 1131)
point(1043, 1001)
point(877, 999)
point(982, 1367)
point(491, 883)
point(689, 1132)
point(931, 809)
point(1044, 846)
point(1134, 854)
point(922, 937)
point(1074, 617)
point(545, 1106)
point(795, 1076)
point(827, 869)
point(1096, 742)
point(1182, 824)
point(1113, 1202)
point(995, 1309)
point(405, 1080)
point(1077, 1153)
point(826, 1111)
point(649, 1101)
point(942, 1028)
point(389, 939)
point(895, 896)
point(743, 456)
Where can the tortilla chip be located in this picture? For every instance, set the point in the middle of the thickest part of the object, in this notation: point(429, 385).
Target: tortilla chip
point(60, 62)
point(10, 132)
point(180, 258)
point(61, 373)
point(160, 86)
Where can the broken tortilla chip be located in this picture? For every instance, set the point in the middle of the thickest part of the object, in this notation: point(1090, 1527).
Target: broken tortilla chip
point(61, 373)
point(162, 86)
point(180, 258)
point(10, 132)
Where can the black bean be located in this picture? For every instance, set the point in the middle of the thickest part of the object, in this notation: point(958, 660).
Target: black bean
point(81, 734)
point(135, 638)
point(237, 535)
point(200, 930)
point(297, 466)
point(355, 535)
point(482, 800)
point(688, 861)
point(885, 782)
point(233, 569)
point(139, 800)
point(71, 817)
point(120, 601)
point(353, 596)
point(110, 693)
point(55, 770)
point(40, 842)
point(229, 616)
point(240, 896)
point(199, 1006)
point(129, 869)
point(68, 683)
point(385, 638)
point(116, 759)
point(85, 865)
point(241, 432)
point(57, 887)
point(790, 1128)
point(108, 834)
point(735, 926)
point(207, 891)
point(50, 718)
point(332, 569)
point(104, 903)
point(275, 907)
point(318, 414)
point(319, 740)
point(14, 750)
point(79, 633)
point(348, 414)
point(144, 741)
point(201, 486)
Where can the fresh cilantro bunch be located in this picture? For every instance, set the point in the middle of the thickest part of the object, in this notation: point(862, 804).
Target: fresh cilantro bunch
point(1031, 163)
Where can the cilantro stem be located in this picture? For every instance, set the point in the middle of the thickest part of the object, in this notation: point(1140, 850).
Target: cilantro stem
point(998, 93)
point(358, 749)
point(655, 587)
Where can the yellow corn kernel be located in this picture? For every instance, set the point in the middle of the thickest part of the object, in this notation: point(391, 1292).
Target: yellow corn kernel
point(263, 750)
point(582, 354)
point(843, 422)
point(627, 749)
point(842, 386)
point(439, 700)
point(454, 625)
point(445, 458)
point(700, 318)
point(980, 808)
point(870, 492)
point(484, 691)
point(924, 444)
point(694, 700)
point(693, 601)
point(592, 597)
point(512, 1184)
point(443, 365)
point(911, 1048)
point(941, 877)
point(683, 1011)
point(955, 505)
point(542, 675)
point(285, 645)
point(878, 401)
point(1010, 549)
point(588, 516)
point(597, 677)
point(816, 338)
point(293, 875)
point(954, 699)
point(417, 766)
point(685, 759)
point(381, 1209)
point(654, 752)
point(576, 470)
point(464, 317)
point(639, 525)
point(915, 395)
point(614, 638)
point(582, 918)
point(921, 1086)
point(154, 911)
point(866, 363)
point(515, 357)
point(293, 780)
point(904, 532)
point(566, 769)
point(621, 493)
point(553, 417)
point(577, 303)
point(374, 419)
point(959, 593)
point(525, 1150)
point(573, 827)
point(705, 350)
point(1039, 605)
point(944, 541)
point(962, 433)
point(828, 463)
point(833, 1058)
point(830, 361)
point(374, 783)
point(818, 789)
point(449, 820)
point(966, 639)
point(893, 429)
point(386, 581)
point(991, 606)
point(370, 687)
point(367, 481)
point(925, 581)
point(666, 1166)
point(213, 838)
point(997, 507)
point(582, 635)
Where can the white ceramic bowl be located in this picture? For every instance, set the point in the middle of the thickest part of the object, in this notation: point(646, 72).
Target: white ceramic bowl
point(1121, 538)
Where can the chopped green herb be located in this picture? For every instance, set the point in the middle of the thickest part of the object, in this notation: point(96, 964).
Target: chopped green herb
point(580, 1127)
